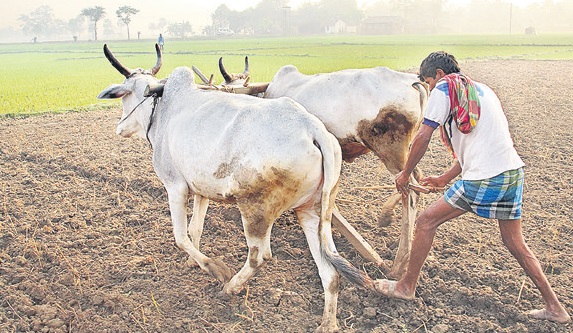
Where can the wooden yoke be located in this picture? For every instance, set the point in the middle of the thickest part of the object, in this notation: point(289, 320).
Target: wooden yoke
point(250, 89)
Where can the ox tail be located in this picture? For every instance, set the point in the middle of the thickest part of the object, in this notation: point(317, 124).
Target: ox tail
point(348, 270)
point(332, 163)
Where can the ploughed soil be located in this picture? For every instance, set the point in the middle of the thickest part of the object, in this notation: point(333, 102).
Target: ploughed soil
point(86, 243)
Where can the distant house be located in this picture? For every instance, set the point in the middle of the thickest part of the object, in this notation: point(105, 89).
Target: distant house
point(340, 27)
point(382, 25)
point(530, 31)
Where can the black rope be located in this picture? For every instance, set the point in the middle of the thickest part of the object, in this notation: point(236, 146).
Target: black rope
point(145, 99)
point(155, 101)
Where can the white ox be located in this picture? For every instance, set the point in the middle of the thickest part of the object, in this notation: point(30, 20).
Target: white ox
point(375, 109)
point(239, 149)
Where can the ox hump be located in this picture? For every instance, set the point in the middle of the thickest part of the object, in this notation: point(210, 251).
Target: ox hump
point(286, 70)
point(181, 77)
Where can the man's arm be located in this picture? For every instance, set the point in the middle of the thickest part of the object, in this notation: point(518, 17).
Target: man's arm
point(417, 151)
point(445, 178)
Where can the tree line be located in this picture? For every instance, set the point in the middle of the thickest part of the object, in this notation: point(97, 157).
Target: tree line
point(41, 22)
point(276, 17)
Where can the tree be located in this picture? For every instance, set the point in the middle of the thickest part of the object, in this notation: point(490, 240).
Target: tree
point(345, 10)
point(108, 29)
point(94, 14)
point(269, 16)
point(220, 17)
point(39, 22)
point(241, 22)
point(180, 30)
point(75, 26)
point(124, 13)
point(305, 18)
point(160, 26)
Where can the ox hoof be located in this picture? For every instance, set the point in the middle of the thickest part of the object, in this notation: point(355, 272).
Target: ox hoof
point(385, 220)
point(396, 272)
point(230, 289)
point(327, 329)
point(224, 296)
point(191, 263)
point(218, 269)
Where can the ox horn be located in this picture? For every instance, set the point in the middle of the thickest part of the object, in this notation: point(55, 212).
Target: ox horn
point(200, 74)
point(226, 75)
point(157, 66)
point(115, 63)
point(154, 89)
point(246, 71)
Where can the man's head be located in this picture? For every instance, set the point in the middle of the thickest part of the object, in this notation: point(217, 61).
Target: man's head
point(437, 65)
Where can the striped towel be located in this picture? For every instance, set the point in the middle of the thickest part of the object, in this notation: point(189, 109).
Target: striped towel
point(464, 106)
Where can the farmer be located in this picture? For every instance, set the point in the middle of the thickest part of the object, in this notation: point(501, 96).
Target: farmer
point(161, 41)
point(491, 183)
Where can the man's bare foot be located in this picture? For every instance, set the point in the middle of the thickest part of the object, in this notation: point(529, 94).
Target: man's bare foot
point(561, 317)
point(388, 288)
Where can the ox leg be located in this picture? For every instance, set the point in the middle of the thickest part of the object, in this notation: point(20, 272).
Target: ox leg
point(195, 229)
point(178, 196)
point(386, 216)
point(407, 223)
point(258, 234)
point(309, 220)
point(406, 235)
point(392, 147)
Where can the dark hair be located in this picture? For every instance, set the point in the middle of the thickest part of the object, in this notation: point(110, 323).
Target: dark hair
point(435, 60)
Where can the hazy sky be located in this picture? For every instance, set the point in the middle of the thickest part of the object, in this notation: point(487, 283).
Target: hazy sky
point(197, 12)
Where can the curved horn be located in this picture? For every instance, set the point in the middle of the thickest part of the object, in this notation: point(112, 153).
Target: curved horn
point(200, 74)
point(224, 72)
point(154, 89)
point(157, 66)
point(246, 71)
point(115, 63)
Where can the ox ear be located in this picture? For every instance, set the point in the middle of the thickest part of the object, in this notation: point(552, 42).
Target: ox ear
point(114, 91)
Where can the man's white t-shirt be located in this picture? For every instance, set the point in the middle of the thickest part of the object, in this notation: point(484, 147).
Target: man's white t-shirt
point(488, 150)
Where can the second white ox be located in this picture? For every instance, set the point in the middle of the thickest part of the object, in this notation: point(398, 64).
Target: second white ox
point(239, 149)
point(374, 109)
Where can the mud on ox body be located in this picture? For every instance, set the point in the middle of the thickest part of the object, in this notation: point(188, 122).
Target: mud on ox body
point(239, 149)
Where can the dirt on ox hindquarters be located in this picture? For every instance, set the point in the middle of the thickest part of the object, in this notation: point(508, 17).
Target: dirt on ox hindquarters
point(86, 242)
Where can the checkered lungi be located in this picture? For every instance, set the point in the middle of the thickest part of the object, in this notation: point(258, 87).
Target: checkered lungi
point(499, 197)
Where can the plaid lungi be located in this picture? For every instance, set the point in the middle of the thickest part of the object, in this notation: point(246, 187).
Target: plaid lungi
point(499, 197)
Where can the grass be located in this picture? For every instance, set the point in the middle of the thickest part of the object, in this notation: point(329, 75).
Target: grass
point(57, 77)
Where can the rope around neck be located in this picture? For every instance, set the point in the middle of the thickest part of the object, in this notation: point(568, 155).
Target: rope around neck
point(155, 101)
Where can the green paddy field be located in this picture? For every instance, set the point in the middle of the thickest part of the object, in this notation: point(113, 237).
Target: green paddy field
point(59, 77)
